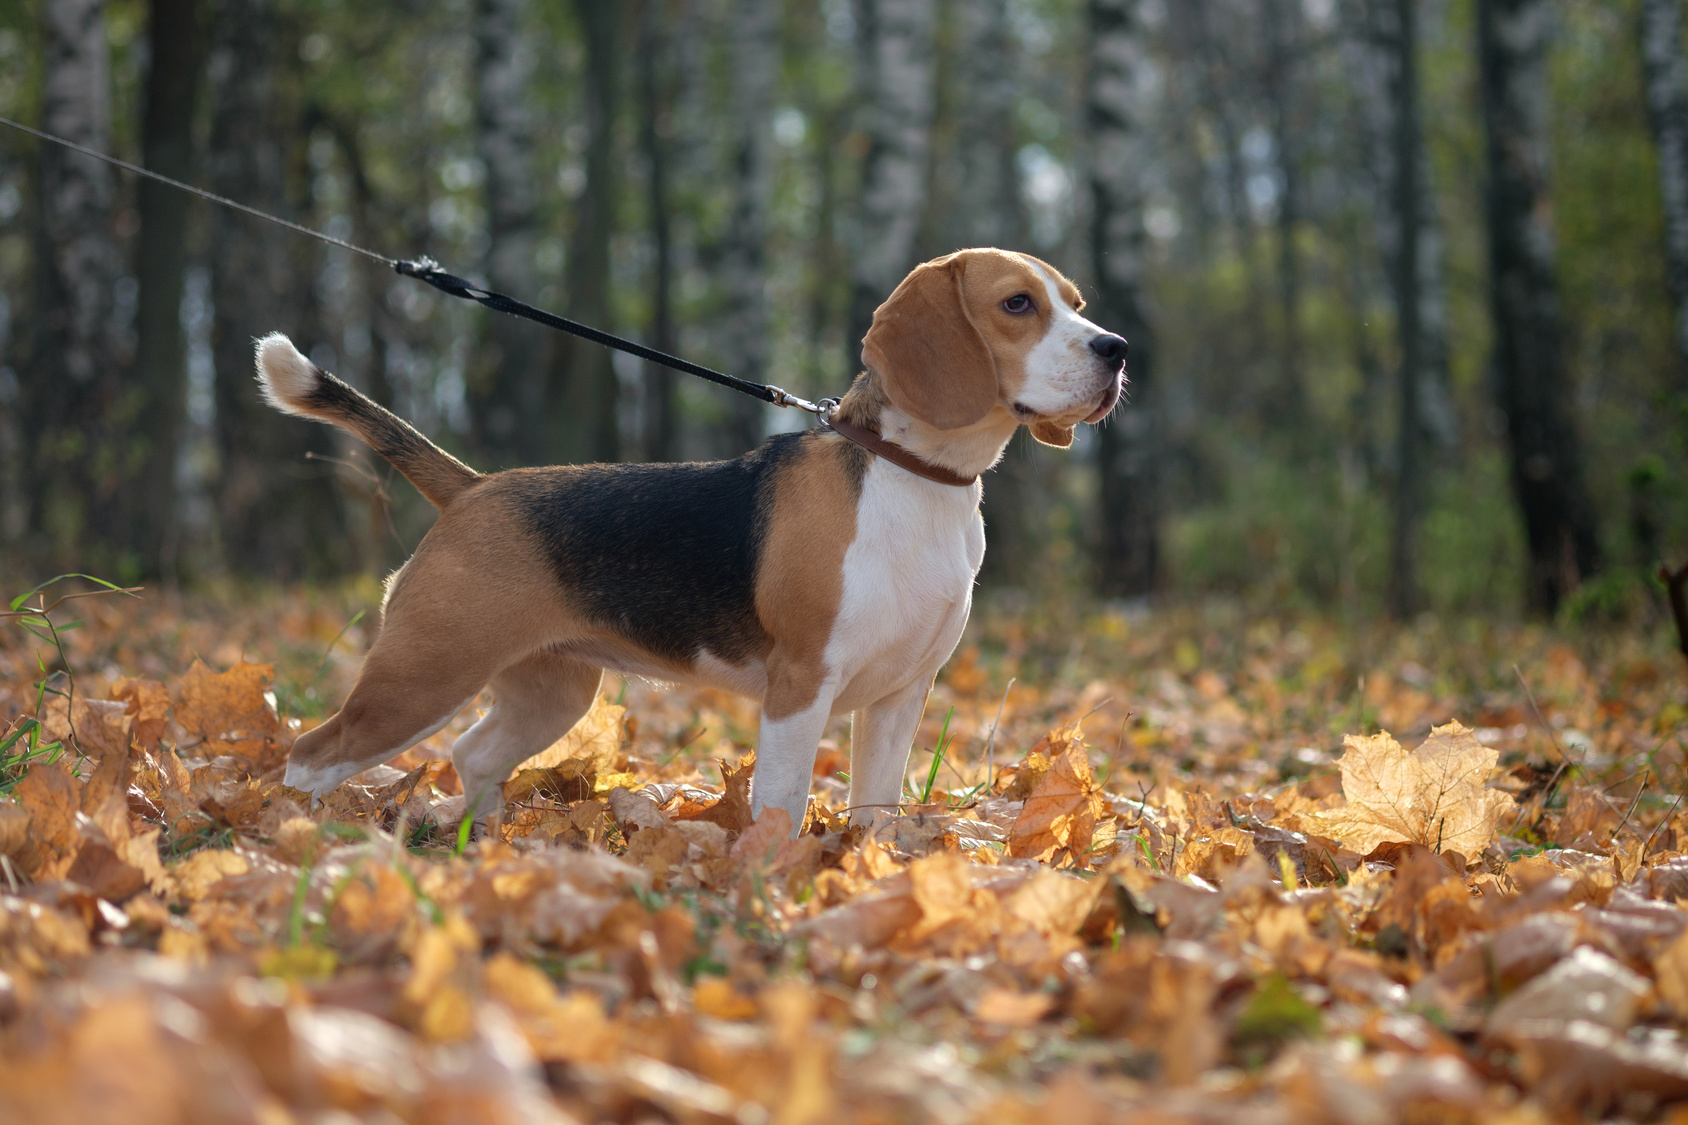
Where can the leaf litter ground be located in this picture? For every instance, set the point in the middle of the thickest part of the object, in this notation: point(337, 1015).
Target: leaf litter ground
point(1196, 866)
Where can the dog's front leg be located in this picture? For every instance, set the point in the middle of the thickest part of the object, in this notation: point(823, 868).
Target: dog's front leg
point(795, 711)
point(881, 736)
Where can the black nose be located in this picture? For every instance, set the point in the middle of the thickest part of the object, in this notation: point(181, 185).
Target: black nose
point(1110, 347)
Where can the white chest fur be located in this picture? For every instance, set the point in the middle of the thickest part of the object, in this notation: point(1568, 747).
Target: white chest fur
point(908, 583)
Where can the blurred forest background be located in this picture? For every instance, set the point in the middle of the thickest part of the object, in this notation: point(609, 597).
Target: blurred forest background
point(1406, 281)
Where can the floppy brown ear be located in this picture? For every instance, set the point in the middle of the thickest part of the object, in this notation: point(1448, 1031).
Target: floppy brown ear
point(1049, 433)
point(930, 358)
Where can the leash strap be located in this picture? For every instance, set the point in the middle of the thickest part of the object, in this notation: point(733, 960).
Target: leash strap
point(429, 271)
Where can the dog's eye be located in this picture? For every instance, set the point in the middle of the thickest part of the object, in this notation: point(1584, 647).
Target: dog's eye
point(1018, 303)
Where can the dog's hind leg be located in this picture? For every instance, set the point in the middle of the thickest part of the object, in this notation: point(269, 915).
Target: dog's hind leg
point(399, 700)
point(881, 736)
point(536, 701)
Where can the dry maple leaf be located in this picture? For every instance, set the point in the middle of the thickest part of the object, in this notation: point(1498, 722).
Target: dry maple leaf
point(1061, 811)
point(595, 740)
point(1435, 795)
point(233, 712)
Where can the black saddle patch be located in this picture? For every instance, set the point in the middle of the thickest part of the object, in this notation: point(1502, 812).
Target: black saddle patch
point(663, 554)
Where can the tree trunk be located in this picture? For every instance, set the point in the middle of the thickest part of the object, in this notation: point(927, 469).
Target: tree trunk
point(1117, 113)
point(507, 398)
point(75, 458)
point(277, 512)
point(981, 207)
point(986, 206)
point(175, 36)
point(1666, 71)
point(894, 94)
point(584, 394)
point(1532, 383)
point(754, 32)
point(661, 436)
point(1289, 404)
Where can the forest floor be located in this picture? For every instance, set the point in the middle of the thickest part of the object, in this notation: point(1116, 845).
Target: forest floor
point(1174, 872)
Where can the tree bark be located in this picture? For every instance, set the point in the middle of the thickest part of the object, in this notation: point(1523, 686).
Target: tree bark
point(507, 397)
point(985, 209)
point(584, 394)
point(1533, 387)
point(982, 207)
point(73, 403)
point(175, 34)
point(895, 96)
point(661, 437)
point(1665, 69)
point(1282, 28)
point(754, 33)
point(276, 511)
point(1128, 546)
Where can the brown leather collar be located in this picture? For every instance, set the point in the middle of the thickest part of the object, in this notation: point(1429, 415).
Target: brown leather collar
point(897, 455)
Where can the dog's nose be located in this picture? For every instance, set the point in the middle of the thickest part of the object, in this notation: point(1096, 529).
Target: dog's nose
point(1110, 347)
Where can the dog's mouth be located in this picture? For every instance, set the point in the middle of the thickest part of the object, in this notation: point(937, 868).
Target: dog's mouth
point(1110, 397)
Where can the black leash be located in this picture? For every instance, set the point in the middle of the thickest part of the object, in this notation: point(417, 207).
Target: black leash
point(429, 271)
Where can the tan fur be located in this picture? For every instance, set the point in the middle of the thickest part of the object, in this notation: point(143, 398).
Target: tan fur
point(449, 625)
point(801, 576)
point(478, 604)
point(946, 323)
point(924, 327)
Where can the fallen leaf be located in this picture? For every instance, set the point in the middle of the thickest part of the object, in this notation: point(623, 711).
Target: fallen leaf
point(1435, 796)
point(1062, 809)
point(594, 741)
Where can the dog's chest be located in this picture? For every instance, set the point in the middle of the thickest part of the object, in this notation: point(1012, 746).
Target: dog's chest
point(908, 582)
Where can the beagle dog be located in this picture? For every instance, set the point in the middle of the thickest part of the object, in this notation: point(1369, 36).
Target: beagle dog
point(819, 574)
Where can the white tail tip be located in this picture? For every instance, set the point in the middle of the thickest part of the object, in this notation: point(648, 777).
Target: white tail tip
point(288, 378)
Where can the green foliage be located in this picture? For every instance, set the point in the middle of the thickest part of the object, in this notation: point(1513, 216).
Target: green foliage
point(1276, 1014)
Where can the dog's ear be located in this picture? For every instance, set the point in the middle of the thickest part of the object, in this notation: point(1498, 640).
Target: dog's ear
point(926, 351)
point(1049, 433)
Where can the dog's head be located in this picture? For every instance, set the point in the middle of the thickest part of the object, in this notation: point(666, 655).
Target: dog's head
point(979, 331)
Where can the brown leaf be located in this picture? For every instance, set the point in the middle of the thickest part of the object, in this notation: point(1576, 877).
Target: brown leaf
point(232, 712)
point(732, 811)
point(1434, 796)
point(1061, 811)
point(14, 829)
point(594, 741)
point(147, 703)
point(53, 800)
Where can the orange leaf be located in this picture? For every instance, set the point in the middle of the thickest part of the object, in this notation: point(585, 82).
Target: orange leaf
point(1061, 811)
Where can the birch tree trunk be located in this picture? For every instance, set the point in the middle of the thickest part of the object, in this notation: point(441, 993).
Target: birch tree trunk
point(175, 35)
point(1289, 404)
point(583, 395)
point(1117, 109)
point(984, 209)
point(1533, 387)
point(895, 97)
point(661, 437)
point(507, 402)
point(276, 511)
point(754, 32)
point(72, 399)
point(1665, 69)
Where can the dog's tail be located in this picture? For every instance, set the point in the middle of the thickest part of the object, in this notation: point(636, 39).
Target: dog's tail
point(295, 385)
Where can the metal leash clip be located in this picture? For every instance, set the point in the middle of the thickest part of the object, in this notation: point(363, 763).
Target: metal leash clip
point(779, 396)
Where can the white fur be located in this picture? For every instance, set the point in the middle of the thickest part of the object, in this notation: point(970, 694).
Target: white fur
point(908, 588)
point(286, 376)
point(1064, 378)
point(322, 781)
